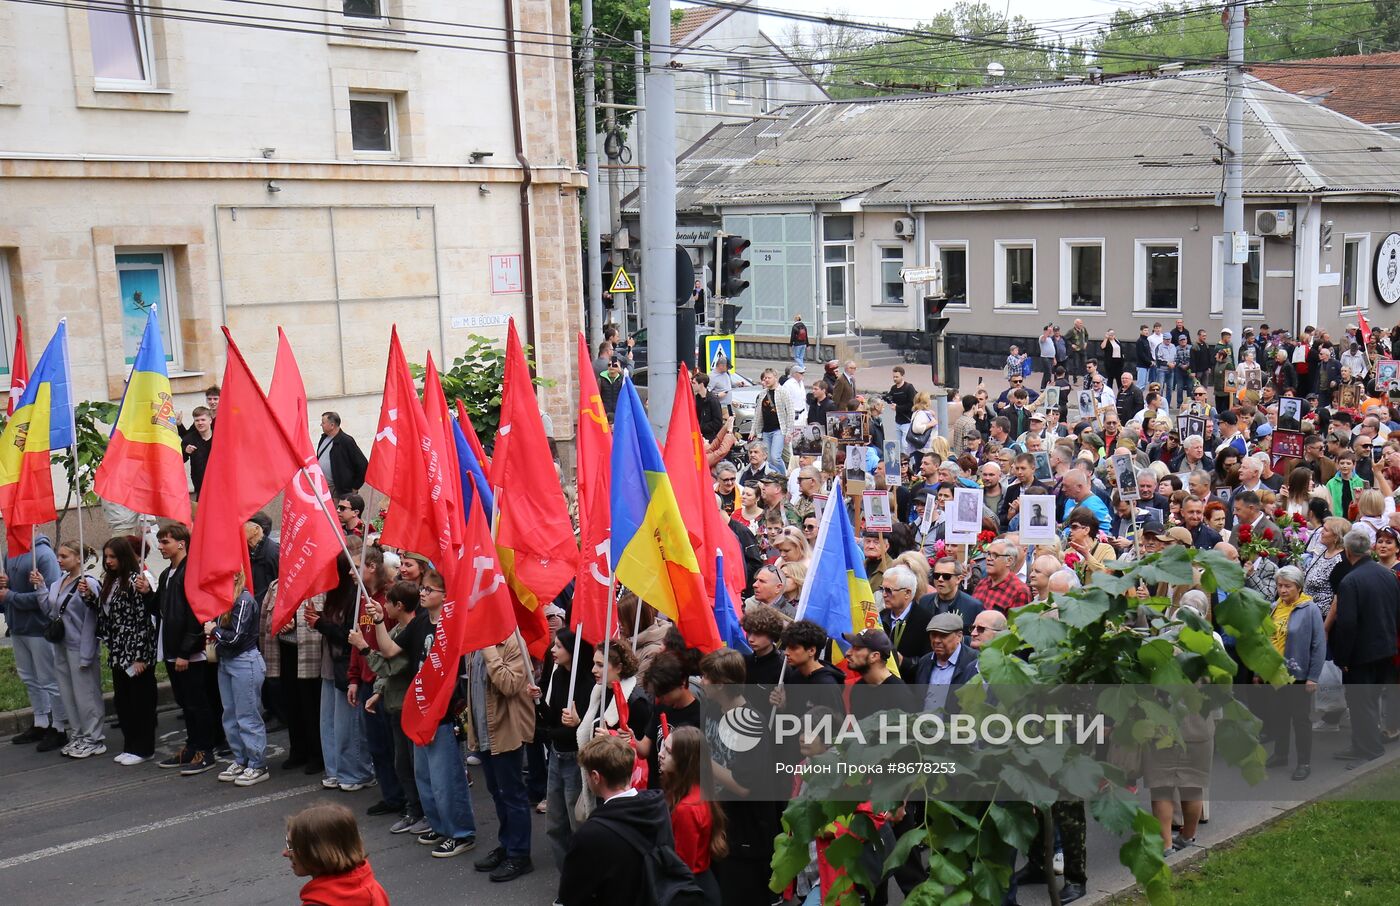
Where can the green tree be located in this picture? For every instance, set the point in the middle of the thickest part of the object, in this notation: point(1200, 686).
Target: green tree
point(1147, 683)
point(476, 377)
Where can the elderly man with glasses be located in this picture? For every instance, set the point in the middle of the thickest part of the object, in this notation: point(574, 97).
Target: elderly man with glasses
point(902, 617)
point(988, 625)
point(1002, 589)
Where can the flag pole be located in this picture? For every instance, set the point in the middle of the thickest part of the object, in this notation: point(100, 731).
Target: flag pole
point(607, 642)
point(73, 447)
point(364, 548)
point(340, 536)
point(573, 667)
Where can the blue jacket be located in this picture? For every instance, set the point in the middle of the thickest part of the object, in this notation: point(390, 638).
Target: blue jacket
point(24, 606)
point(241, 634)
point(1305, 648)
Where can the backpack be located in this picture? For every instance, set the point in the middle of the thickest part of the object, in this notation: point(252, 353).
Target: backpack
point(669, 881)
point(799, 333)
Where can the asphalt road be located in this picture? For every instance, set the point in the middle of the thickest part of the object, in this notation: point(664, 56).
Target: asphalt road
point(94, 832)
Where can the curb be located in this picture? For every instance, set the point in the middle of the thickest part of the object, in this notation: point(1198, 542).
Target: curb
point(15, 722)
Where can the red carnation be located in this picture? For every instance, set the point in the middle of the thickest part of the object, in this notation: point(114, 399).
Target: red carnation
point(1278, 512)
point(985, 537)
point(1245, 534)
point(1268, 534)
point(1071, 558)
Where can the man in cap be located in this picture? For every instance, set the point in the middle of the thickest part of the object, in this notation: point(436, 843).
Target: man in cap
point(879, 688)
point(949, 664)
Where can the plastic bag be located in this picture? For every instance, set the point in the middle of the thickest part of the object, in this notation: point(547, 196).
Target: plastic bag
point(1329, 689)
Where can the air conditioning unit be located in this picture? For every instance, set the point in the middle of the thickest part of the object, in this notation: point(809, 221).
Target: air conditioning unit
point(904, 228)
point(1274, 222)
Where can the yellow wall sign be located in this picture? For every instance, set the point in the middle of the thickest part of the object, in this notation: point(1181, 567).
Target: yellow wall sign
point(622, 282)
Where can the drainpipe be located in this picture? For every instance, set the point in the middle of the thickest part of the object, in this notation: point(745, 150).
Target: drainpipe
point(919, 252)
point(527, 269)
point(818, 274)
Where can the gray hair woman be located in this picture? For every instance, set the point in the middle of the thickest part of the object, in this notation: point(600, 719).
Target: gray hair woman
point(1298, 636)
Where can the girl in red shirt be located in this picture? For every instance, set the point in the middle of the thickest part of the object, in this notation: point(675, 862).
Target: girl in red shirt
point(697, 822)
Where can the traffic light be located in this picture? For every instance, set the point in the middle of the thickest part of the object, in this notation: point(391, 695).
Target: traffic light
point(729, 319)
point(733, 263)
point(934, 322)
point(609, 272)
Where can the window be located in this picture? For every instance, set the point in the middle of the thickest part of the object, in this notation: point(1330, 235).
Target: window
point(146, 279)
point(1081, 274)
point(765, 94)
point(711, 90)
point(121, 45)
point(372, 126)
point(891, 283)
point(735, 86)
point(1356, 252)
point(7, 317)
point(362, 9)
point(953, 258)
point(1251, 299)
point(838, 264)
point(1158, 273)
point(1015, 277)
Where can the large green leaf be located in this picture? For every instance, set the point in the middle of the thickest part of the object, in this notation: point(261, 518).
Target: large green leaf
point(1016, 822)
point(1040, 631)
point(1083, 607)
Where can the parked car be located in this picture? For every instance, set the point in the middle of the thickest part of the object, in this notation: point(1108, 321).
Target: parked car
point(743, 398)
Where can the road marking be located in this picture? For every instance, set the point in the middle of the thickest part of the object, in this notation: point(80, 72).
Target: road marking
point(154, 826)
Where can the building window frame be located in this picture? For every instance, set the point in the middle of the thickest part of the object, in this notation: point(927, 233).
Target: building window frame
point(712, 90)
point(377, 97)
point(1002, 300)
point(1067, 247)
point(145, 49)
point(169, 299)
point(736, 89)
point(381, 20)
point(936, 248)
point(1140, 271)
point(7, 315)
point(881, 279)
point(1361, 279)
point(1217, 280)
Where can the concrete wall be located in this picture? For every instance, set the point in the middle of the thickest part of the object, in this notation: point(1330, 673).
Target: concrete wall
point(346, 248)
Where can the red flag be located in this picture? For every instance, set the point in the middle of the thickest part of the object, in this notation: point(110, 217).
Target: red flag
point(310, 542)
point(383, 451)
point(253, 460)
point(17, 536)
point(1361, 319)
point(469, 430)
point(418, 519)
point(445, 446)
point(534, 535)
point(690, 479)
point(593, 585)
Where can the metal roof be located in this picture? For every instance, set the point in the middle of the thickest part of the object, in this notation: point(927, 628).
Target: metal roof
point(1124, 139)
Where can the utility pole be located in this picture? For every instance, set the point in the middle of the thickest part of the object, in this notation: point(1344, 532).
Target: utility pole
point(613, 149)
point(659, 240)
point(639, 125)
point(1236, 239)
point(592, 211)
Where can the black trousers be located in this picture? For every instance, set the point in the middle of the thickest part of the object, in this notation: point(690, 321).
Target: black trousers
point(135, 700)
point(1292, 711)
point(1363, 684)
point(300, 703)
point(1071, 818)
point(191, 688)
point(403, 764)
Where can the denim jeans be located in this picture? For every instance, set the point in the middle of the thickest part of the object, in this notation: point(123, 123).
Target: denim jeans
point(1178, 386)
point(81, 690)
point(34, 663)
point(536, 771)
point(343, 745)
point(799, 353)
point(773, 443)
point(379, 737)
point(565, 784)
point(441, 778)
point(240, 688)
point(505, 780)
point(1143, 374)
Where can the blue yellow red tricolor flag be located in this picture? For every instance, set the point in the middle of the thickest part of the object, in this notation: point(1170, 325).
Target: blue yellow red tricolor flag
point(42, 422)
point(143, 469)
point(837, 595)
point(651, 550)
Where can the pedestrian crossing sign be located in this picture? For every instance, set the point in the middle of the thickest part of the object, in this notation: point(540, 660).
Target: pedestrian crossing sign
point(622, 282)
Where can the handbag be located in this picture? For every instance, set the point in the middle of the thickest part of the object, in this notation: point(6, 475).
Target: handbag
point(55, 632)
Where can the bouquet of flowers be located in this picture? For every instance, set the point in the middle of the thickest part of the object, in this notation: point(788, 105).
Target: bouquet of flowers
point(1294, 536)
point(1261, 544)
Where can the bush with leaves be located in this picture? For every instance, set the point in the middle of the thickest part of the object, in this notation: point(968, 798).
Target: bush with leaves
point(476, 377)
point(1146, 681)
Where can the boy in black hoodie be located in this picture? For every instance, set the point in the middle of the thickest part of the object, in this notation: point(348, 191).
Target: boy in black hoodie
point(602, 867)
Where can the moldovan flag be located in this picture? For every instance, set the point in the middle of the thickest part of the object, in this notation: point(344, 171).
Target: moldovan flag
point(310, 542)
point(19, 369)
point(144, 469)
point(398, 386)
point(17, 538)
point(253, 460)
point(42, 422)
point(837, 595)
point(690, 479)
point(651, 549)
point(593, 584)
point(534, 535)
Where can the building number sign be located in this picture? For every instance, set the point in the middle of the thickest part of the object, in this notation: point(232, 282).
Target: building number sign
point(1388, 269)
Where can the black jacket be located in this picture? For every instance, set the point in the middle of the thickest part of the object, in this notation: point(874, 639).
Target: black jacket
point(965, 670)
point(1129, 403)
point(903, 400)
point(348, 464)
point(913, 640)
point(199, 459)
point(1368, 601)
point(181, 633)
point(709, 414)
point(753, 554)
point(264, 559)
point(601, 867)
point(549, 727)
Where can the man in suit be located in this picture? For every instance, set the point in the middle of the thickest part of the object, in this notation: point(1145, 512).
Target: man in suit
point(1249, 510)
point(845, 390)
point(949, 665)
point(903, 617)
point(1362, 643)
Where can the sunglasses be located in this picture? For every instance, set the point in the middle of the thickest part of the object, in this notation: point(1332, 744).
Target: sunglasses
point(939, 577)
point(978, 630)
point(343, 508)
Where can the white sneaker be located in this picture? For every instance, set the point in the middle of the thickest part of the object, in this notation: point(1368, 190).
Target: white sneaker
point(1058, 863)
point(352, 787)
point(68, 749)
point(81, 749)
point(126, 759)
point(330, 783)
point(474, 759)
point(97, 748)
point(231, 773)
point(251, 776)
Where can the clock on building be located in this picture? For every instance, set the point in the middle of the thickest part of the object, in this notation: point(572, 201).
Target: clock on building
point(1388, 269)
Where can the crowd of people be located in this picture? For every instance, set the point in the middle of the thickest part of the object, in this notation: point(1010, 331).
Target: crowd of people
point(622, 749)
